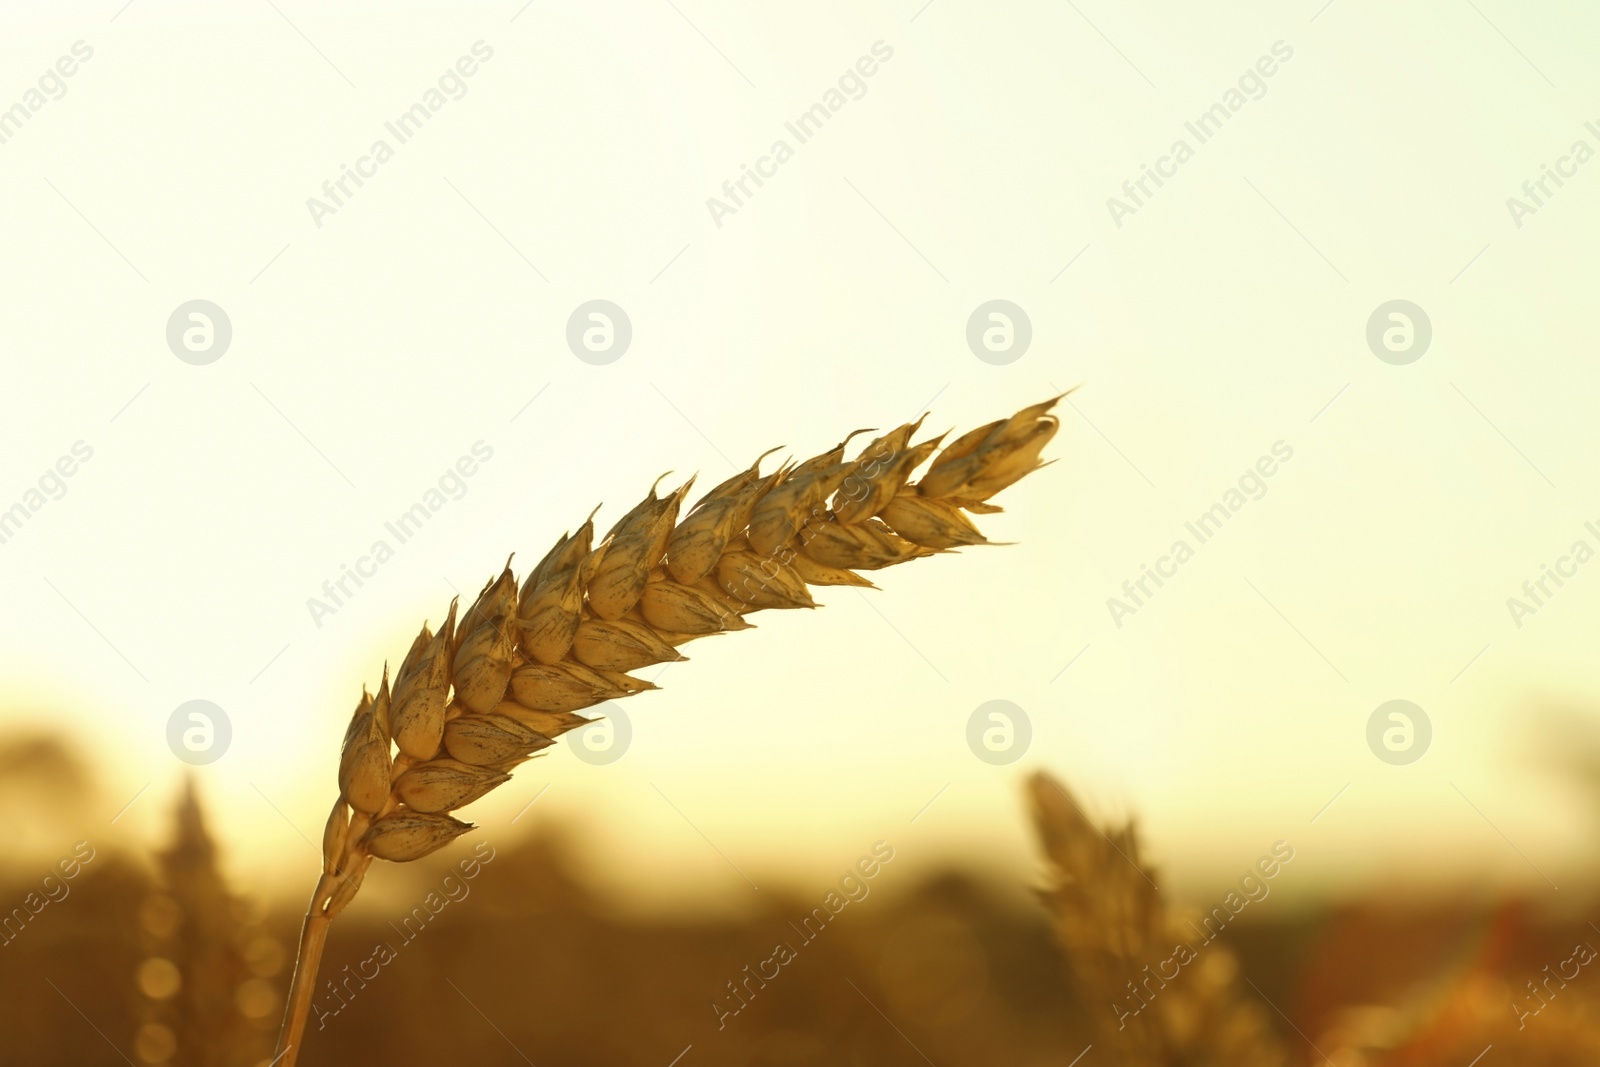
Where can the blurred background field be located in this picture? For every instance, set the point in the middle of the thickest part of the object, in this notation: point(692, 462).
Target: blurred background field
point(151, 956)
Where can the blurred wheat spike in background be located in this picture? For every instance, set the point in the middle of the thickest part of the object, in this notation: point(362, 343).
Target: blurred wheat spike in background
point(476, 698)
point(1117, 932)
point(204, 980)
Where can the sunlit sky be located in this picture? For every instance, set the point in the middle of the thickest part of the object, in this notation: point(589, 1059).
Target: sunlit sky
point(1227, 314)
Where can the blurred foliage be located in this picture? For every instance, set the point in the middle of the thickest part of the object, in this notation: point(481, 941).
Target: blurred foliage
point(47, 787)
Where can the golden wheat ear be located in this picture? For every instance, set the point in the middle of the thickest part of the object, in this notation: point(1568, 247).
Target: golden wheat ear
point(477, 698)
point(1160, 995)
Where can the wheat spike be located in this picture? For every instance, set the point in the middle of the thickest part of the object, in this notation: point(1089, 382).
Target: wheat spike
point(206, 999)
point(1116, 928)
point(473, 700)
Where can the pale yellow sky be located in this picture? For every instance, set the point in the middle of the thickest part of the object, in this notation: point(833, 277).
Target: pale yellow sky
point(429, 312)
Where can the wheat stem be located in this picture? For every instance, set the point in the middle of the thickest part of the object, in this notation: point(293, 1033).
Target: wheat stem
point(313, 937)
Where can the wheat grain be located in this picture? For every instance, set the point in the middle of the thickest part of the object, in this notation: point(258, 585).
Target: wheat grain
point(1115, 926)
point(475, 699)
